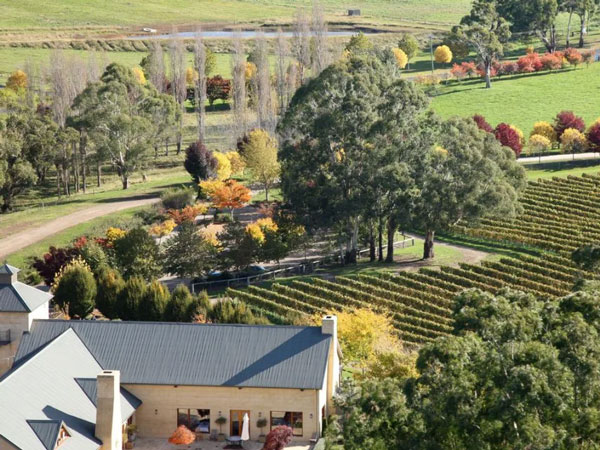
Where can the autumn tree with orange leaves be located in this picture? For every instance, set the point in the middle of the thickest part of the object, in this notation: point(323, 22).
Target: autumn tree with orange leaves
point(231, 195)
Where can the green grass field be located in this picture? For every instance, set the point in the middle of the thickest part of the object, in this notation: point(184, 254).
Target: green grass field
point(22, 14)
point(523, 100)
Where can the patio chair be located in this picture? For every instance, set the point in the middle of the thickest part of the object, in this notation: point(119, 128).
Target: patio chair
point(315, 438)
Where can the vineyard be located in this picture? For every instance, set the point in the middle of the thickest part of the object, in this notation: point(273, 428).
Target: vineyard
point(419, 303)
point(560, 215)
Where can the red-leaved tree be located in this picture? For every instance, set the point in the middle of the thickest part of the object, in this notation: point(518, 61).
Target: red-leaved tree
point(278, 438)
point(593, 136)
point(482, 123)
point(567, 119)
point(54, 260)
point(508, 137)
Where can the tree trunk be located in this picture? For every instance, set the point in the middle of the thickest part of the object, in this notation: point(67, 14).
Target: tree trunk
point(488, 75)
point(266, 194)
point(372, 250)
point(83, 153)
point(391, 231)
point(99, 174)
point(569, 28)
point(581, 30)
point(380, 238)
point(125, 179)
point(428, 245)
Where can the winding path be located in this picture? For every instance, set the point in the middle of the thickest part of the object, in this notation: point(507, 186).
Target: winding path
point(29, 236)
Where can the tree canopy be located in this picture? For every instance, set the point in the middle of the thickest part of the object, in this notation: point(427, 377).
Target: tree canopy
point(517, 372)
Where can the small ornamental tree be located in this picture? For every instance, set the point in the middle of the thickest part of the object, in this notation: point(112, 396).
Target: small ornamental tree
point(17, 81)
point(573, 56)
point(539, 144)
point(593, 136)
point(187, 214)
point(223, 166)
point(232, 195)
point(260, 156)
point(130, 298)
point(573, 141)
point(200, 162)
point(544, 129)
point(237, 163)
point(401, 58)
point(137, 253)
point(508, 137)
point(217, 88)
point(188, 254)
point(442, 54)
point(178, 307)
point(409, 45)
point(278, 438)
point(182, 436)
point(110, 285)
point(54, 260)
point(154, 302)
point(482, 124)
point(74, 289)
point(567, 119)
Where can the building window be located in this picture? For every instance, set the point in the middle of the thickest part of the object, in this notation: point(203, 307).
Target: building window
point(291, 419)
point(63, 434)
point(197, 420)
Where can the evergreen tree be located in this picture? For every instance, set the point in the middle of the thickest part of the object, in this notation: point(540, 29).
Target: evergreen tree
point(153, 303)
point(130, 298)
point(179, 307)
point(110, 285)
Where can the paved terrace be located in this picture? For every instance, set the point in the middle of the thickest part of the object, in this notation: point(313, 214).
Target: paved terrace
point(162, 444)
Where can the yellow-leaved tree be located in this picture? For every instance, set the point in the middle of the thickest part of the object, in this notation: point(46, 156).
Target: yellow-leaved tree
point(539, 144)
point(237, 163)
point(442, 54)
point(544, 129)
point(401, 58)
point(139, 75)
point(370, 345)
point(573, 141)
point(223, 166)
point(259, 151)
point(17, 81)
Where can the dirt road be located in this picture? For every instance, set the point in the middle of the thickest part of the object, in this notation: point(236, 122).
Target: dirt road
point(29, 236)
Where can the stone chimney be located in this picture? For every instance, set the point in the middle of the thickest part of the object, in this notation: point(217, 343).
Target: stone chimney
point(329, 326)
point(8, 274)
point(108, 410)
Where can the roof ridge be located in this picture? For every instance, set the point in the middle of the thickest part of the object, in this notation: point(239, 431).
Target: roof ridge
point(37, 352)
point(141, 322)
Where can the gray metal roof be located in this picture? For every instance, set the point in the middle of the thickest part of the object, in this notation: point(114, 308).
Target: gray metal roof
point(19, 297)
point(197, 354)
point(43, 388)
point(7, 269)
point(46, 431)
point(90, 387)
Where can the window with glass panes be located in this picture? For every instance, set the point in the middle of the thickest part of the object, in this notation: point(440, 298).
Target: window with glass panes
point(197, 420)
point(289, 418)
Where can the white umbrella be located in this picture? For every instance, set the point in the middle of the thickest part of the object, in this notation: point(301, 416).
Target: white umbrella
point(246, 428)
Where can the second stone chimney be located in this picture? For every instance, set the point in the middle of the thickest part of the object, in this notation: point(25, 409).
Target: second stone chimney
point(329, 326)
point(108, 410)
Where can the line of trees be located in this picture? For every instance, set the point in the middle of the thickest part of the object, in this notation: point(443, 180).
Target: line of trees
point(360, 149)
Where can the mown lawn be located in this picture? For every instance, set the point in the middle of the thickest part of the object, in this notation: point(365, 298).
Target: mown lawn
point(48, 209)
point(93, 227)
point(20, 14)
point(523, 100)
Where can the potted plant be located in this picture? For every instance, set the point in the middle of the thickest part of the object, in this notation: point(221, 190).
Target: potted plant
point(261, 423)
point(131, 432)
point(221, 421)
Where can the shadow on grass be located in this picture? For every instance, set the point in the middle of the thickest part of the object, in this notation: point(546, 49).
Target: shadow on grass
point(502, 248)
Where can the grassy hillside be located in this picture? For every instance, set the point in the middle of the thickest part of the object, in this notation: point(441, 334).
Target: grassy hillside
point(20, 14)
point(524, 100)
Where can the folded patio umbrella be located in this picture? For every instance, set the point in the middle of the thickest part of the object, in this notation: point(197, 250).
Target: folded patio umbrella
point(246, 428)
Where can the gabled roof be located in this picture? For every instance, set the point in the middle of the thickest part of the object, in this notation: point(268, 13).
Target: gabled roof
point(42, 391)
point(129, 402)
point(7, 269)
point(19, 297)
point(46, 431)
point(197, 354)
